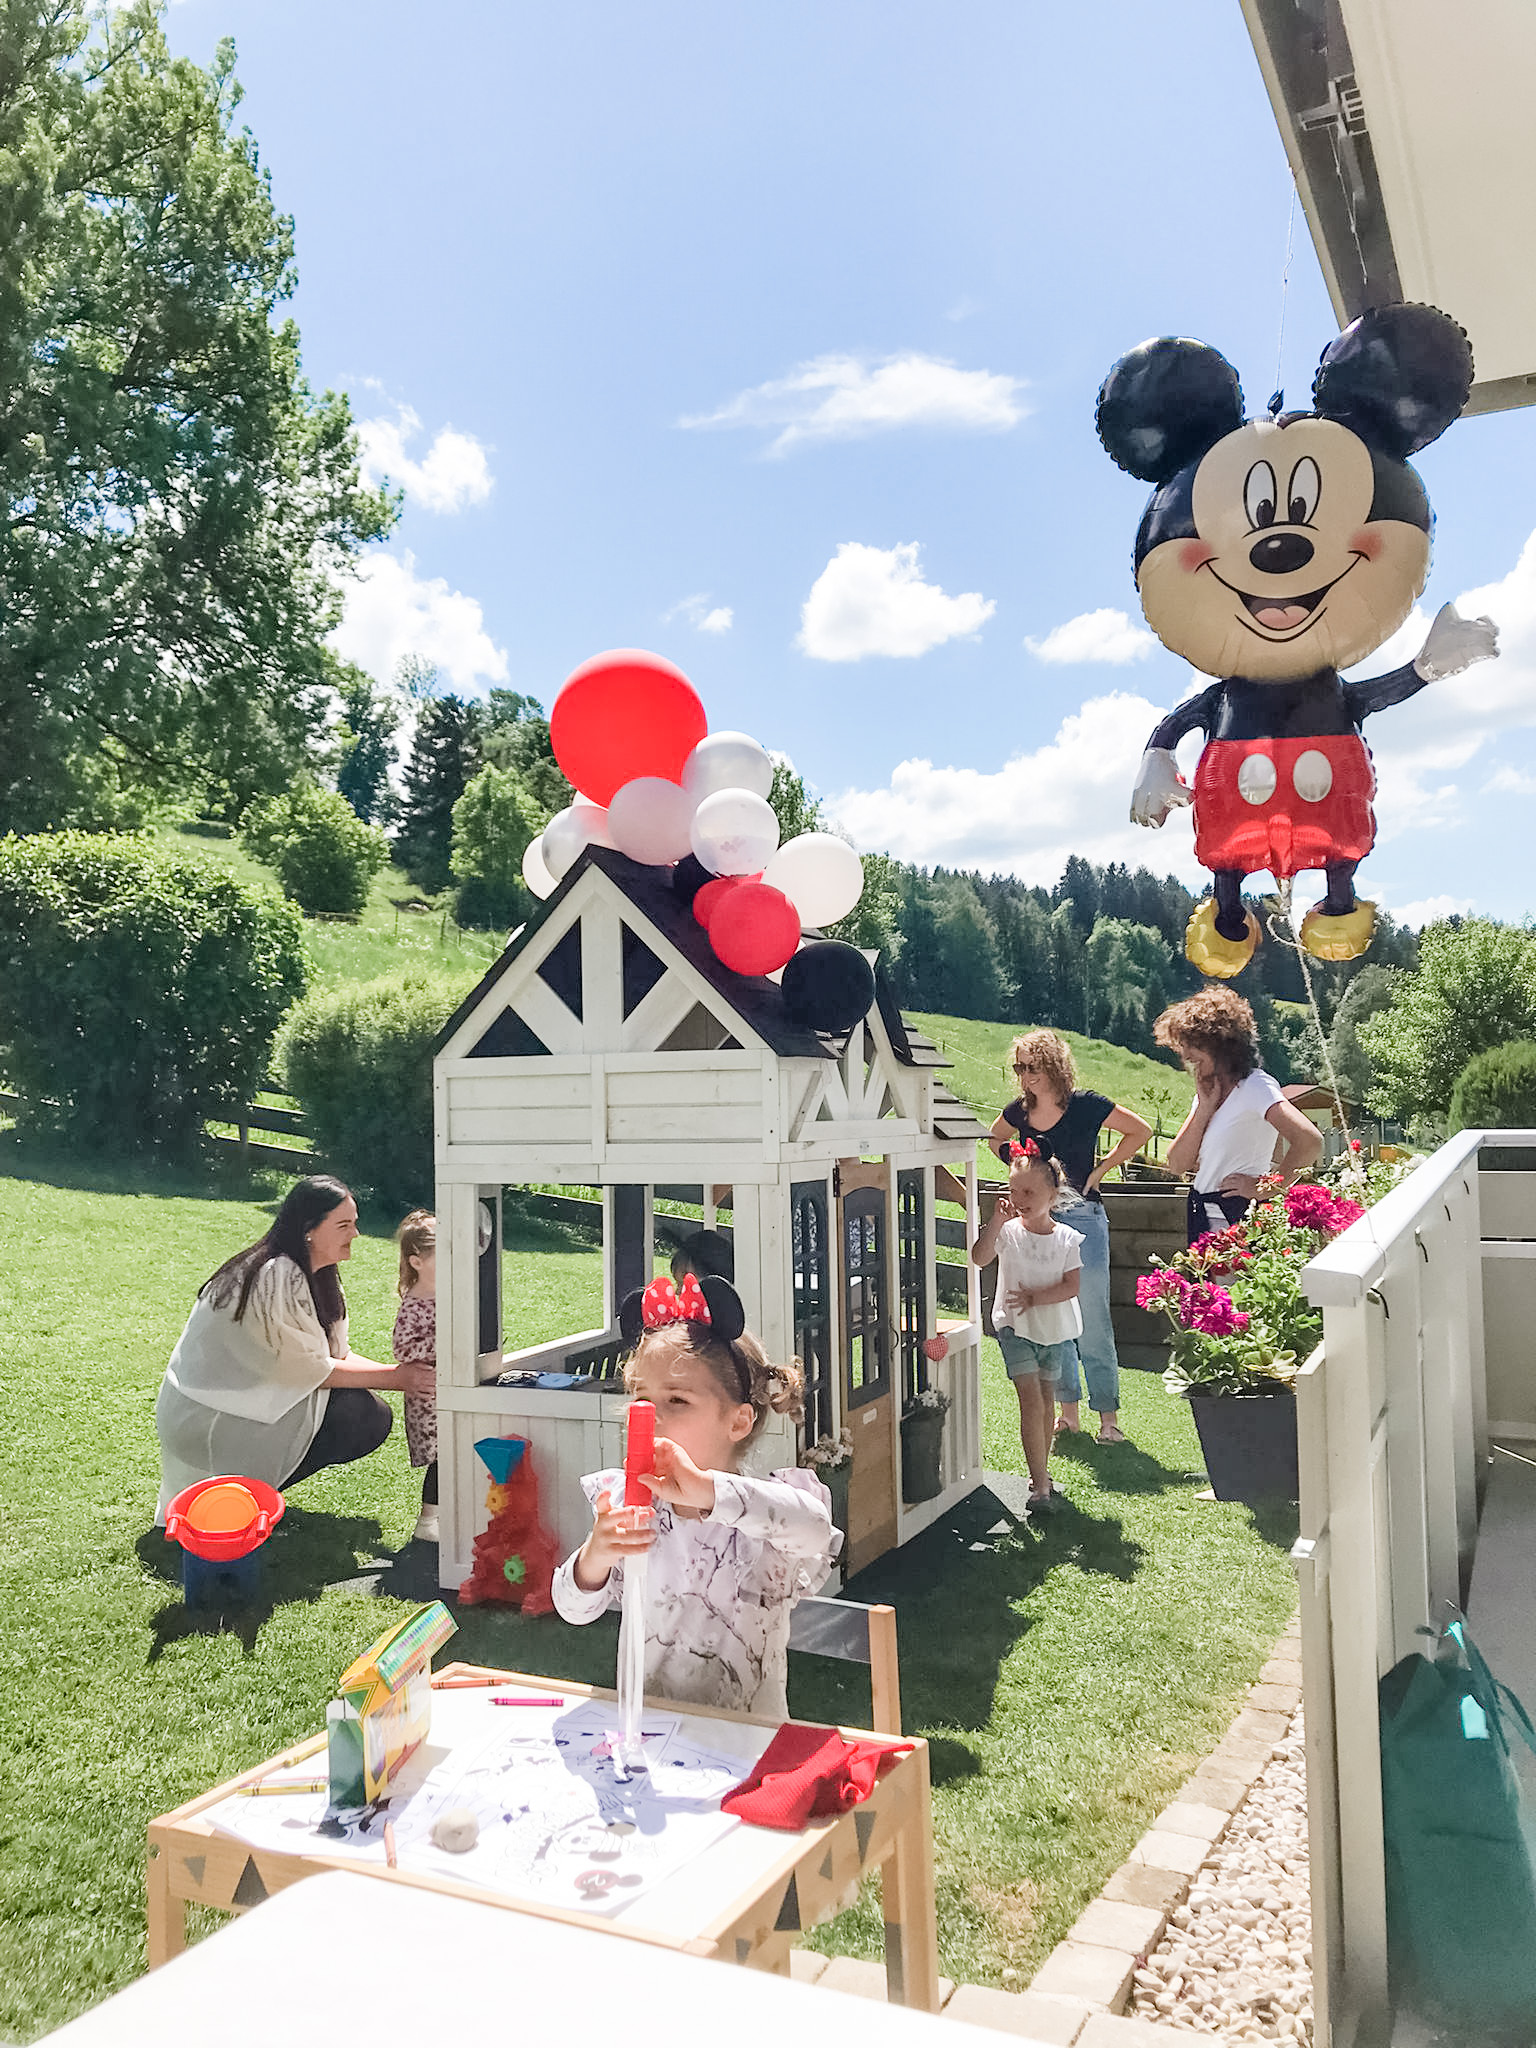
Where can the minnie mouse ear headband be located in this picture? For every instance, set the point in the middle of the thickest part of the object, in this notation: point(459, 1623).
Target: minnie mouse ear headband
point(709, 1303)
point(1013, 1150)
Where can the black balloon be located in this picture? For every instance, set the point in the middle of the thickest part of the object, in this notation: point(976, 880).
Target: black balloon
point(1165, 404)
point(689, 877)
point(1397, 377)
point(828, 986)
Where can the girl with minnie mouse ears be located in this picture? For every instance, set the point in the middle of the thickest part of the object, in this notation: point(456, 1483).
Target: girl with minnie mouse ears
point(730, 1554)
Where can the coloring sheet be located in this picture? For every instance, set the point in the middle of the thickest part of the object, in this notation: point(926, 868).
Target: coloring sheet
point(558, 1822)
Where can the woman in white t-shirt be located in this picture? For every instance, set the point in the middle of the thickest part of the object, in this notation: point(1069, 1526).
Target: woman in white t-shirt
point(1227, 1143)
point(1035, 1314)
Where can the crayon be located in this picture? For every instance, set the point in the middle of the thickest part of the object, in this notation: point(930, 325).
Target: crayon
point(507, 1700)
point(270, 1788)
point(389, 1845)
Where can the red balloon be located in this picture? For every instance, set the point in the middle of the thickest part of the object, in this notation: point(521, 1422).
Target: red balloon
point(708, 899)
point(623, 714)
point(755, 929)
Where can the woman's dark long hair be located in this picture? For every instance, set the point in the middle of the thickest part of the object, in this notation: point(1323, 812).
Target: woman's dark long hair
point(306, 1203)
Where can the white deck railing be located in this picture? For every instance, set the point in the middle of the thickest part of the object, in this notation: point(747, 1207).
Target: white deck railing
point(1429, 1330)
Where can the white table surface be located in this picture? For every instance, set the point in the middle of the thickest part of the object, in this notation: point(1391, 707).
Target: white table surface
point(685, 1900)
point(340, 1958)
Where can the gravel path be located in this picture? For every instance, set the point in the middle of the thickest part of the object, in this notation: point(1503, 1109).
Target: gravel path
point(1236, 1961)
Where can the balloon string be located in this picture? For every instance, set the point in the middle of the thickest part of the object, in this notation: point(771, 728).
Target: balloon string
point(1285, 281)
point(1283, 932)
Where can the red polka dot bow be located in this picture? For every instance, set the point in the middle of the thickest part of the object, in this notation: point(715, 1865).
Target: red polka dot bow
point(1028, 1150)
point(662, 1303)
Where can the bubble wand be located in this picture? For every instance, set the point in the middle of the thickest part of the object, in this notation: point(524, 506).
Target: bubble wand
point(639, 1458)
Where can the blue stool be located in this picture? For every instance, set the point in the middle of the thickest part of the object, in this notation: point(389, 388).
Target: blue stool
point(207, 1582)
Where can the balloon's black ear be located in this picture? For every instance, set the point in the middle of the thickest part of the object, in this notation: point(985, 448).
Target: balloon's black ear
point(631, 1320)
point(727, 1317)
point(1397, 377)
point(1164, 404)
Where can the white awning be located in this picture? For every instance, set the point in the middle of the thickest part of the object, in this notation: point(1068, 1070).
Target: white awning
point(1411, 128)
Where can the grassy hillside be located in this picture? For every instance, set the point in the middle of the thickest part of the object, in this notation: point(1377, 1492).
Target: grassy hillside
point(982, 1077)
point(398, 929)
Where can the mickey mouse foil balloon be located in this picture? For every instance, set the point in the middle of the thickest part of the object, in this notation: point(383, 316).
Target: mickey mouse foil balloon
point(1272, 553)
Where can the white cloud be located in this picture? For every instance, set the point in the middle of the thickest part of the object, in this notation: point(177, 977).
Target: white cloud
point(453, 473)
point(877, 601)
point(844, 397)
point(1095, 636)
point(964, 308)
point(1430, 910)
point(701, 614)
point(1071, 795)
point(392, 612)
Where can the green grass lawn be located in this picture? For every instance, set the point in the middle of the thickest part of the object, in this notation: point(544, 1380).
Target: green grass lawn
point(1067, 1679)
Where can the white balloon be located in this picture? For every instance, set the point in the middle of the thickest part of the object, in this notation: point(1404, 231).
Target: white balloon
point(650, 819)
point(820, 874)
point(727, 760)
point(734, 832)
point(535, 872)
point(579, 825)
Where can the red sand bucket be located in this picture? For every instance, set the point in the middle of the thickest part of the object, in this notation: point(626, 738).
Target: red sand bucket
point(222, 1519)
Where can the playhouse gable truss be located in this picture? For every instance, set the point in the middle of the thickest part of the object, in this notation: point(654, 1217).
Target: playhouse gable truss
point(597, 1051)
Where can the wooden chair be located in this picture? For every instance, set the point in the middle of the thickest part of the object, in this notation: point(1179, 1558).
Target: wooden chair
point(858, 1635)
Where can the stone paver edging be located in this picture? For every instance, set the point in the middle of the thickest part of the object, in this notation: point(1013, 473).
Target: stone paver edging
point(1080, 1993)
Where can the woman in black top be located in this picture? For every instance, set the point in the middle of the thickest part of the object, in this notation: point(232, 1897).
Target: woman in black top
point(1064, 1121)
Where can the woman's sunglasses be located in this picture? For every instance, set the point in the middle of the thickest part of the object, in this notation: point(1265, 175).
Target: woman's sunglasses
point(1025, 1067)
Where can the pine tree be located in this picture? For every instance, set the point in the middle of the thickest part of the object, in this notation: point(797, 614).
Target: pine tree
point(369, 722)
point(445, 754)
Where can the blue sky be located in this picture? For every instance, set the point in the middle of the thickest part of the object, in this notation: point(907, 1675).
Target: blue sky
point(880, 256)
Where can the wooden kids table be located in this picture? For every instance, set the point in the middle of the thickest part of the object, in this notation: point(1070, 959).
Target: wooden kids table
point(745, 1899)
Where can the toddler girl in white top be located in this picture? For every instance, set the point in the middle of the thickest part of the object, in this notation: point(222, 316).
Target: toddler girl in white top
point(1035, 1315)
point(729, 1554)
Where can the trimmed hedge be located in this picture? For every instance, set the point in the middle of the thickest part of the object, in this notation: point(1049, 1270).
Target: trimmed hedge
point(1496, 1090)
point(320, 849)
point(359, 1060)
point(139, 990)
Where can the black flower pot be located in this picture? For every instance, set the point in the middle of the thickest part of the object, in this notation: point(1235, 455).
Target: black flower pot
point(922, 1444)
point(1248, 1442)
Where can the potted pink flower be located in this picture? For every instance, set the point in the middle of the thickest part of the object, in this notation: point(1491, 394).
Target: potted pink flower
point(1239, 1326)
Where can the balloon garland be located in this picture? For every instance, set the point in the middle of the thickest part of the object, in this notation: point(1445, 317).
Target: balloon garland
point(630, 735)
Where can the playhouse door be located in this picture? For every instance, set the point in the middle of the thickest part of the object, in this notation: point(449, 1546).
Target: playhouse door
point(868, 1351)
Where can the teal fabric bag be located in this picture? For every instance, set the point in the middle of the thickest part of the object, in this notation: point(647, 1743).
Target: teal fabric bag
point(1461, 1876)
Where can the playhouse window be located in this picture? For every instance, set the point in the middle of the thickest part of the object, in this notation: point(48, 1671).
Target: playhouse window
point(812, 1274)
point(866, 1332)
point(912, 1248)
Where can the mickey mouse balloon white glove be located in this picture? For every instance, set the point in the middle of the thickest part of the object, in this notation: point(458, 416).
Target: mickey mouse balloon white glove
point(1159, 788)
point(1454, 643)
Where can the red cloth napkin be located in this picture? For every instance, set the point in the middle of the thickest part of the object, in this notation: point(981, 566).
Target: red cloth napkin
point(806, 1772)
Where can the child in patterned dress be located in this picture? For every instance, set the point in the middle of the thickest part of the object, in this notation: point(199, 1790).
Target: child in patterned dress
point(729, 1554)
point(415, 1343)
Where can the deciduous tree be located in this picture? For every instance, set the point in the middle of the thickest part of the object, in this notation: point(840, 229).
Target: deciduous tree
point(180, 508)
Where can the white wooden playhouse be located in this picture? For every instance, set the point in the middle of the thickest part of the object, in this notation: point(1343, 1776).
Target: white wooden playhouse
point(609, 1048)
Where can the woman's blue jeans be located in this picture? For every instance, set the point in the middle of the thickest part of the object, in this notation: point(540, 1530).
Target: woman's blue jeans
point(1096, 1346)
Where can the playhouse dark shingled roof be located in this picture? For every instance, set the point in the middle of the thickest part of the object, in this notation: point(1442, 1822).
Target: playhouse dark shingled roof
point(756, 1000)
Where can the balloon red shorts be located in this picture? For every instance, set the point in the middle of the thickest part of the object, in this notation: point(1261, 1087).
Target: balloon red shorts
point(1284, 805)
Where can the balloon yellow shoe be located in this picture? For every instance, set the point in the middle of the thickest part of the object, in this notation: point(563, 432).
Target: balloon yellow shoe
point(1338, 938)
point(1205, 948)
